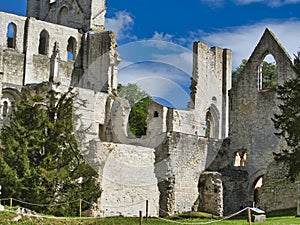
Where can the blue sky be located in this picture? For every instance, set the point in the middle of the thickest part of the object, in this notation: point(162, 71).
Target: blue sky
point(163, 31)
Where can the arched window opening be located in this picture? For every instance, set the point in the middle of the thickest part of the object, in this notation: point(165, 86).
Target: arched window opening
point(137, 120)
point(237, 159)
point(240, 159)
point(101, 132)
point(88, 84)
point(267, 73)
point(212, 121)
point(44, 43)
point(71, 49)
point(257, 187)
point(5, 109)
point(243, 159)
point(208, 125)
point(63, 15)
point(155, 114)
point(11, 35)
point(52, 1)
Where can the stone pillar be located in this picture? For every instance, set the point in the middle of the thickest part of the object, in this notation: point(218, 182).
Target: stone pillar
point(298, 203)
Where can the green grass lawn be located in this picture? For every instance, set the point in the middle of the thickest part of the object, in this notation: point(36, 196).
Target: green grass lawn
point(276, 218)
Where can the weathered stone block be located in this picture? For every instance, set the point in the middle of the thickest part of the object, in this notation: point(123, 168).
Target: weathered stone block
point(259, 218)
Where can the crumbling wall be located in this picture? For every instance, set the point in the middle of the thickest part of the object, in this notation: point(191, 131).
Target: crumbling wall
point(179, 162)
point(100, 62)
point(252, 132)
point(80, 14)
point(211, 193)
point(211, 82)
point(277, 191)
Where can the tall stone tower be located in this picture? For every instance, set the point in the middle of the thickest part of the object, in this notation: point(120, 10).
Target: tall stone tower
point(80, 14)
point(211, 83)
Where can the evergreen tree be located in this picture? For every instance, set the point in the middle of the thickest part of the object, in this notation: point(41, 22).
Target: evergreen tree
point(41, 162)
point(288, 121)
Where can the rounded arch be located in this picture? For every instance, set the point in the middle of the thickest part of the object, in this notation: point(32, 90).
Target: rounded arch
point(267, 72)
point(44, 42)
point(255, 178)
point(11, 35)
point(72, 48)
point(10, 98)
point(212, 122)
point(62, 17)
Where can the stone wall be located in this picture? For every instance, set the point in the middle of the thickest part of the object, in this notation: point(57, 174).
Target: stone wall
point(179, 162)
point(251, 127)
point(277, 191)
point(211, 193)
point(80, 14)
point(128, 180)
point(211, 82)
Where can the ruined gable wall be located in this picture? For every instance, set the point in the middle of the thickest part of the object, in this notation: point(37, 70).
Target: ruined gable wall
point(252, 129)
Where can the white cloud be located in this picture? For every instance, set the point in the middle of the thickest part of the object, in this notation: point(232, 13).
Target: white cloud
point(242, 40)
point(182, 61)
point(160, 36)
point(122, 24)
point(271, 3)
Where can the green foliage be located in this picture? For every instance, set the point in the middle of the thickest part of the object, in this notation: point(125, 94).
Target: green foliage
point(41, 162)
point(269, 75)
point(288, 121)
point(238, 70)
point(139, 101)
point(138, 117)
point(132, 93)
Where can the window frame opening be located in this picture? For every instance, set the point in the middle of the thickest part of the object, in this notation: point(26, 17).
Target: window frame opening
point(44, 42)
point(267, 74)
point(11, 35)
point(71, 49)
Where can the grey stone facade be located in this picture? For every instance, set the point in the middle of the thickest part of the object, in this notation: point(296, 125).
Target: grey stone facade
point(65, 42)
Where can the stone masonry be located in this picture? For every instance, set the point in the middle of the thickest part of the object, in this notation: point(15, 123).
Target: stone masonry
point(65, 42)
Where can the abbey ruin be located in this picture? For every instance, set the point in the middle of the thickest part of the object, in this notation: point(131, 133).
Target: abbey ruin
point(177, 166)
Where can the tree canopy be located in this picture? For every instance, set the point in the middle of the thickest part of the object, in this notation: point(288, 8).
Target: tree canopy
point(288, 121)
point(41, 162)
point(139, 101)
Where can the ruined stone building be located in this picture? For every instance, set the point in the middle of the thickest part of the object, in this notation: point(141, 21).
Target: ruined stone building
point(179, 165)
